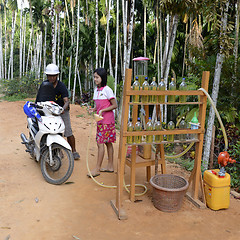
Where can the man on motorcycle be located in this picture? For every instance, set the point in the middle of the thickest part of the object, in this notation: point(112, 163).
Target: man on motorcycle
point(61, 98)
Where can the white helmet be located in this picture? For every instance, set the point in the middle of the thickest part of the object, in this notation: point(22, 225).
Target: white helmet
point(52, 69)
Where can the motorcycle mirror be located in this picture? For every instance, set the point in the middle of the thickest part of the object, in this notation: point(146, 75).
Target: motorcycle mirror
point(46, 92)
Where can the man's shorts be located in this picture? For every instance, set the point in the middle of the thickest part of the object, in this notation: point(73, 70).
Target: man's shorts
point(66, 119)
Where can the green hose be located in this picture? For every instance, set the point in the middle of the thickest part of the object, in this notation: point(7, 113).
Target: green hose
point(218, 116)
point(107, 186)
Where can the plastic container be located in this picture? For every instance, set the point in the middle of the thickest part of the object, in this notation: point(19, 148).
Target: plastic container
point(138, 127)
point(183, 87)
point(161, 87)
point(171, 126)
point(130, 139)
point(141, 68)
point(136, 86)
point(194, 125)
point(217, 189)
point(168, 191)
point(153, 86)
point(145, 86)
point(172, 87)
point(149, 138)
point(158, 127)
point(182, 125)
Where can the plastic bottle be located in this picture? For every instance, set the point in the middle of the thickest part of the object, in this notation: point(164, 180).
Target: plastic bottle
point(183, 87)
point(161, 87)
point(158, 127)
point(172, 87)
point(171, 126)
point(182, 125)
point(136, 86)
point(130, 139)
point(138, 127)
point(153, 86)
point(149, 138)
point(194, 125)
point(145, 86)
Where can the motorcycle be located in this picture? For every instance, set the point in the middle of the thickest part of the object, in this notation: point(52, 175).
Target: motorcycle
point(46, 143)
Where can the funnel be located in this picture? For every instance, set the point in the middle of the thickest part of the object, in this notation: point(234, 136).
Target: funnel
point(97, 118)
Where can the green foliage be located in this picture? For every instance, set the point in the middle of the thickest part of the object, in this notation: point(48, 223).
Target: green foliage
point(18, 88)
point(111, 82)
point(234, 169)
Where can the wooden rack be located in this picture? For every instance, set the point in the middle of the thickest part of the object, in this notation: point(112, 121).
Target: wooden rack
point(195, 191)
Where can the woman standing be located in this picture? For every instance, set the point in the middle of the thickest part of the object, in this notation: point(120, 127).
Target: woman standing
point(105, 103)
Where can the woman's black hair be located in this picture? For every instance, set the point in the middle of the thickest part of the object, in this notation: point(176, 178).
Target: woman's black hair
point(103, 74)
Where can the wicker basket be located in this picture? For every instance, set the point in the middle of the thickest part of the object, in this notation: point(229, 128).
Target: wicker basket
point(168, 191)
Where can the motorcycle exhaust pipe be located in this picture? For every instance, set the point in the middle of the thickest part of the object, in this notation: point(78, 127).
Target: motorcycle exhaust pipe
point(24, 139)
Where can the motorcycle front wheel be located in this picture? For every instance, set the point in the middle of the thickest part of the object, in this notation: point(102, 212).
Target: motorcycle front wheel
point(62, 167)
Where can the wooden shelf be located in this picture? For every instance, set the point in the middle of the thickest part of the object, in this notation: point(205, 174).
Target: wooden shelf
point(196, 190)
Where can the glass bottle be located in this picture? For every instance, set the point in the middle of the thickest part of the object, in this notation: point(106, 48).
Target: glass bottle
point(183, 125)
point(158, 127)
point(194, 125)
point(172, 87)
point(161, 87)
point(136, 86)
point(183, 87)
point(171, 126)
point(149, 127)
point(153, 86)
point(138, 127)
point(145, 86)
point(130, 139)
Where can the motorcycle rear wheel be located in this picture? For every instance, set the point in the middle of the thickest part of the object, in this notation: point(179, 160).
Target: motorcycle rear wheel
point(63, 165)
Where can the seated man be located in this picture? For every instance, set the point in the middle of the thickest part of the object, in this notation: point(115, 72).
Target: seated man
point(61, 98)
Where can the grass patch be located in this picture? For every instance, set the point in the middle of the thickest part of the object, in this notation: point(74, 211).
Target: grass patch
point(80, 116)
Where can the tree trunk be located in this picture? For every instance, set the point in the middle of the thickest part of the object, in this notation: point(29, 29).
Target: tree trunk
point(235, 50)
point(63, 44)
point(10, 66)
point(53, 32)
point(5, 29)
point(76, 58)
point(145, 30)
point(216, 82)
point(130, 33)
point(116, 63)
point(20, 36)
point(24, 44)
point(96, 33)
point(124, 14)
point(44, 51)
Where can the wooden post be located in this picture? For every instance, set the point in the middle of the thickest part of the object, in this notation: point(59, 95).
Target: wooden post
point(195, 179)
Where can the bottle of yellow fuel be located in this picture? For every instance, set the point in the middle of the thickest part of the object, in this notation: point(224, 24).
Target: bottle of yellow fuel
point(136, 86)
point(217, 189)
point(130, 139)
point(183, 125)
point(138, 127)
point(171, 126)
point(158, 127)
point(161, 87)
point(145, 86)
point(153, 86)
point(149, 127)
point(183, 87)
point(172, 87)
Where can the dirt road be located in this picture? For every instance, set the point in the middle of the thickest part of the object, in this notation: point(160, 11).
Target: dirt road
point(30, 208)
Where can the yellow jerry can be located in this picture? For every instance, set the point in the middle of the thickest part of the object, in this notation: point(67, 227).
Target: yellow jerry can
point(217, 189)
